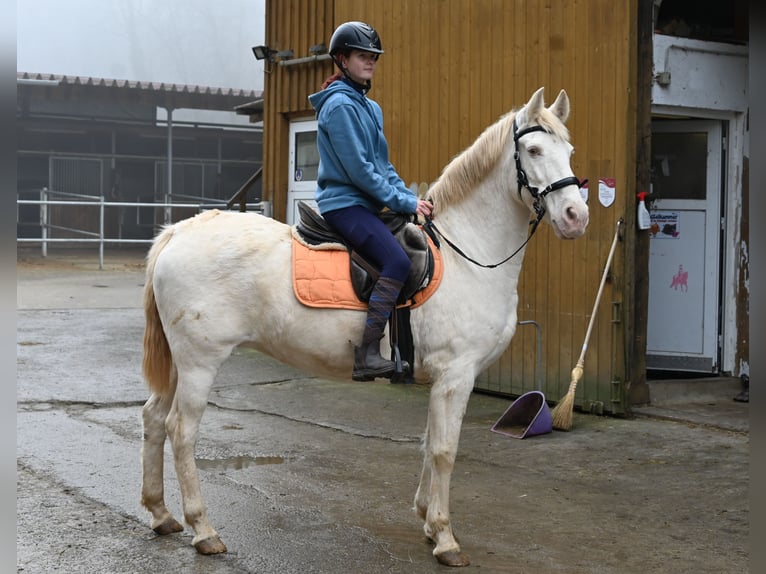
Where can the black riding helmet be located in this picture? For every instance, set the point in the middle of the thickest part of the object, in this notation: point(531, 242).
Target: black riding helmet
point(355, 36)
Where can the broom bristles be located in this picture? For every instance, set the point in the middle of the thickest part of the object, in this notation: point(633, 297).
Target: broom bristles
point(562, 412)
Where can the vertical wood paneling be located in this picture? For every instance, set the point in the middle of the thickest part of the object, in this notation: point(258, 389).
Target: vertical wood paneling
point(635, 293)
point(597, 129)
point(450, 69)
point(295, 25)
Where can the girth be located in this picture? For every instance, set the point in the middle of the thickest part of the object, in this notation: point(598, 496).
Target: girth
point(314, 230)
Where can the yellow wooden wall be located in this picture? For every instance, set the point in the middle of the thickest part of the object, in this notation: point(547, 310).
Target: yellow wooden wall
point(451, 68)
point(295, 25)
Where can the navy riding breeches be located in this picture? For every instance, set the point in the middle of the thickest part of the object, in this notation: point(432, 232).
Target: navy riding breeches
point(370, 237)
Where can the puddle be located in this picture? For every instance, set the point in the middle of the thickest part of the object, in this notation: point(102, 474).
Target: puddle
point(237, 462)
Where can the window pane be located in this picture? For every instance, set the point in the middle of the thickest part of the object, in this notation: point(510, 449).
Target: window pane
point(306, 156)
point(679, 165)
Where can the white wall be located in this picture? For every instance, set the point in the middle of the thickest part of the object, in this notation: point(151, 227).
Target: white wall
point(703, 75)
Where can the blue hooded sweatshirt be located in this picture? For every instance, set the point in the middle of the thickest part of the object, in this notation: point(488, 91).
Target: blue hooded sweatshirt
point(354, 168)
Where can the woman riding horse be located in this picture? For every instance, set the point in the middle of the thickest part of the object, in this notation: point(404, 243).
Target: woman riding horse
point(356, 181)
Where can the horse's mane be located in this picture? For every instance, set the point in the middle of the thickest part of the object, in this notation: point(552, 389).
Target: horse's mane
point(469, 168)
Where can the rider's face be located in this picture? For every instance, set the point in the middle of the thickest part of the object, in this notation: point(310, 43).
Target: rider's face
point(360, 65)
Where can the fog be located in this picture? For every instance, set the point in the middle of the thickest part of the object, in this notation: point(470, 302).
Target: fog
point(198, 42)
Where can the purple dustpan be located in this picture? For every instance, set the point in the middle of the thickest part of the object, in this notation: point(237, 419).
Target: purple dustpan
point(528, 415)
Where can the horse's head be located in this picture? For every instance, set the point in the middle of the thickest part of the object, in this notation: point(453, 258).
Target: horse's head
point(546, 182)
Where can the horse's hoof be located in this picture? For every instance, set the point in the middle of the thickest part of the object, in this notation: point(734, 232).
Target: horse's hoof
point(170, 526)
point(210, 546)
point(453, 558)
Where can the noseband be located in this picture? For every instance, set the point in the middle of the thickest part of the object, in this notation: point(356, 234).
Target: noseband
point(523, 182)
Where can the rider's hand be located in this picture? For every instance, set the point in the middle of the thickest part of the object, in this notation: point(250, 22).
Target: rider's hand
point(424, 208)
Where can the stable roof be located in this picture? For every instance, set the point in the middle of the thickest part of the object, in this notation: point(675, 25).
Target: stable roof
point(55, 87)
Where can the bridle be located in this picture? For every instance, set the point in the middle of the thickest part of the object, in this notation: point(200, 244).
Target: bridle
point(522, 180)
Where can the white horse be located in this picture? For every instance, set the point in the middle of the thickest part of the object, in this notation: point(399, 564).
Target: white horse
point(223, 279)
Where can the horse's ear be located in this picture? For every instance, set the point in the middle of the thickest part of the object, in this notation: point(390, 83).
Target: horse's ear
point(560, 107)
point(531, 110)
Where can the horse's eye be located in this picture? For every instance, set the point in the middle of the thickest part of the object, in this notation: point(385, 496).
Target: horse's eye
point(533, 150)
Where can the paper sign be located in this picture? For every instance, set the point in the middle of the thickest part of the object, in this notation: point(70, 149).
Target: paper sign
point(584, 191)
point(606, 191)
point(665, 224)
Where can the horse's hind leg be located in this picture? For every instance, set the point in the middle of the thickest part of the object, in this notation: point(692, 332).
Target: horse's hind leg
point(154, 413)
point(183, 426)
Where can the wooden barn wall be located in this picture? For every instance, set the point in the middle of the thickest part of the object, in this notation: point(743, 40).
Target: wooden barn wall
point(451, 68)
point(295, 25)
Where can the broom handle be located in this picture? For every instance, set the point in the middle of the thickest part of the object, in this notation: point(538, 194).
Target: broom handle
point(600, 290)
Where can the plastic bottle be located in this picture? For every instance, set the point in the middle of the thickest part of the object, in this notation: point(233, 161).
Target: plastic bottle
point(644, 220)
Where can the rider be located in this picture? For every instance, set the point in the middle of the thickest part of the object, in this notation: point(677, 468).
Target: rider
point(356, 181)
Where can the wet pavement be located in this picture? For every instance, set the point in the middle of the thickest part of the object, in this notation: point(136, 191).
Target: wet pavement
point(307, 475)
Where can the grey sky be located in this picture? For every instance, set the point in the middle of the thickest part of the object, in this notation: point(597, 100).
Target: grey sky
point(202, 42)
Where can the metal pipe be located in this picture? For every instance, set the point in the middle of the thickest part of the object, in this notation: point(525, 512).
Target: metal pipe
point(44, 220)
point(101, 234)
point(139, 122)
point(169, 191)
point(539, 351)
point(179, 159)
point(306, 60)
point(92, 237)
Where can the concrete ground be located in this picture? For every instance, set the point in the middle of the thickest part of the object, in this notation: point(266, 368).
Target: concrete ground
point(306, 475)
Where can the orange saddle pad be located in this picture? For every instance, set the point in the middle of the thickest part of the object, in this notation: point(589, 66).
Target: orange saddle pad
point(321, 278)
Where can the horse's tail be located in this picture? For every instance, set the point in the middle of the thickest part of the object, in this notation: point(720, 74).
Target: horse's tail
point(157, 364)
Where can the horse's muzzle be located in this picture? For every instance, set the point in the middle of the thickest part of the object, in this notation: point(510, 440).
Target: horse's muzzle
point(572, 223)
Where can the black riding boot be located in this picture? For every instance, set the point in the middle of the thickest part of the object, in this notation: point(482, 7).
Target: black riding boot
point(368, 364)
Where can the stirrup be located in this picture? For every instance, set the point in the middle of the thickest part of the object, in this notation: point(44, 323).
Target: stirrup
point(402, 372)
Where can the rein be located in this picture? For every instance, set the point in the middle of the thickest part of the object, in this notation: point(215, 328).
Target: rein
point(523, 182)
point(430, 227)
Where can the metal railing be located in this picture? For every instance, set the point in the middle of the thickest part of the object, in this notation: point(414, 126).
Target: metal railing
point(241, 195)
point(98, 237)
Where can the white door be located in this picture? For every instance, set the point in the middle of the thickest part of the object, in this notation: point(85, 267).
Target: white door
point(304, 166)
point(685, 239)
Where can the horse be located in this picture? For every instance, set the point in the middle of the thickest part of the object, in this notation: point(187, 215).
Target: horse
point(222, 279)
point(680, 279)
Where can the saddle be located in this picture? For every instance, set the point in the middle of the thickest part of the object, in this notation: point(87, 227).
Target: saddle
point(314, 230)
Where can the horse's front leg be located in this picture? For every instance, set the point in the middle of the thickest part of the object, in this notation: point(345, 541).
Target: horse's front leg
point(183, 427)
point(424, 486)
point(154, 413)
point(447, 404)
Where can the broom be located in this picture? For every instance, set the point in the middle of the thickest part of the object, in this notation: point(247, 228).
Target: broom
point(562, 412)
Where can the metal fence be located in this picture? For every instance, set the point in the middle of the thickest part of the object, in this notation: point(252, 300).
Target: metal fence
point(48, 198)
